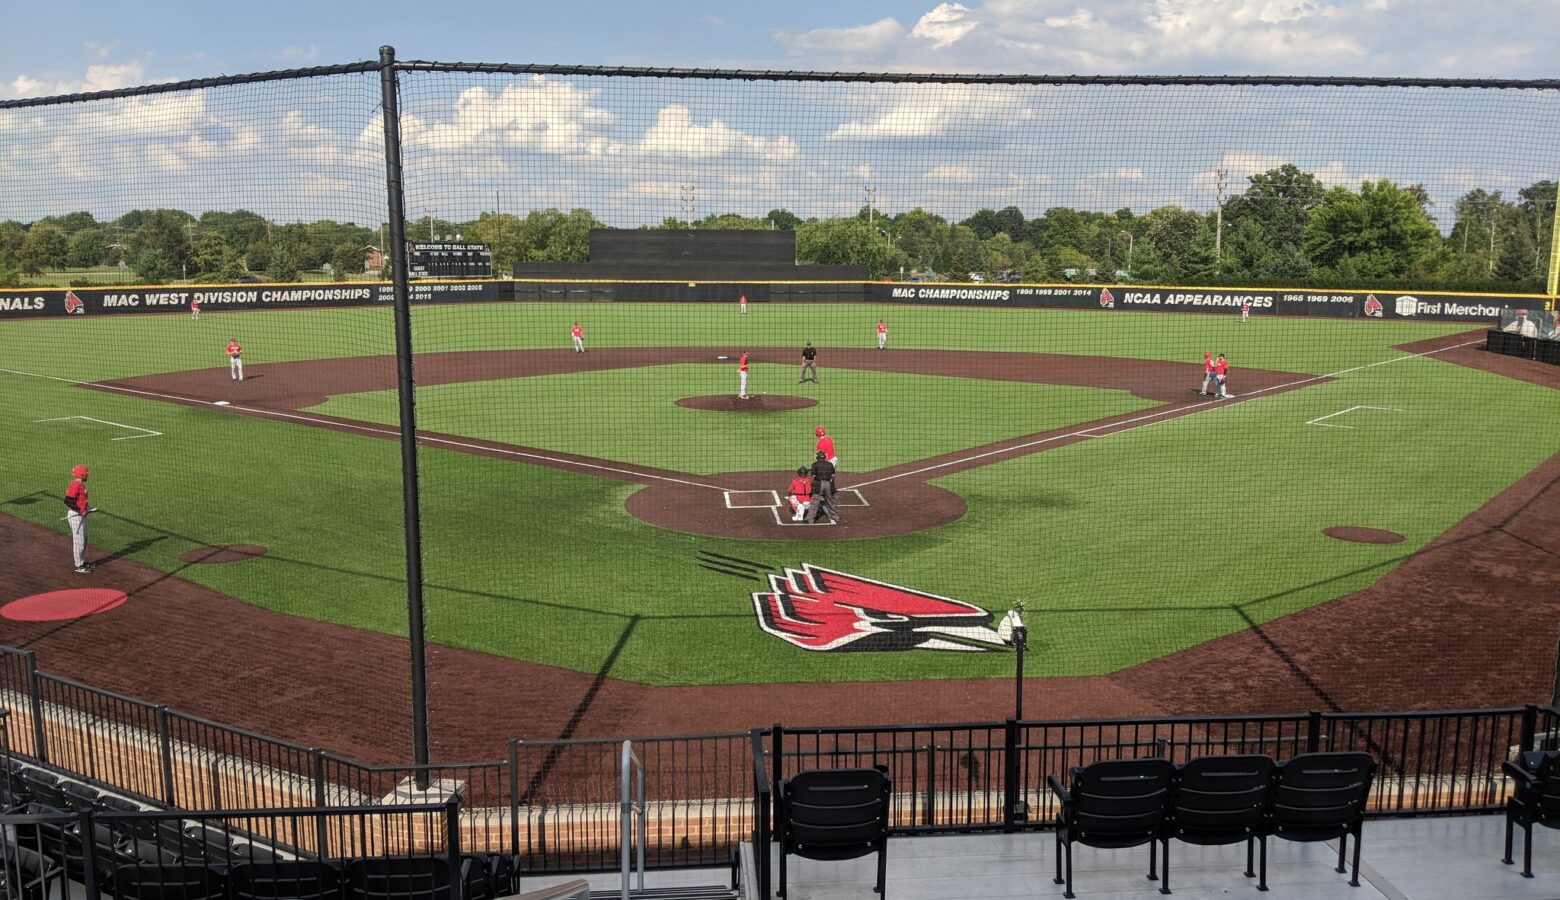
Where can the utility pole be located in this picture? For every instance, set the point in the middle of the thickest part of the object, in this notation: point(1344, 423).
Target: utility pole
point(1218, 230)
point(871, 190)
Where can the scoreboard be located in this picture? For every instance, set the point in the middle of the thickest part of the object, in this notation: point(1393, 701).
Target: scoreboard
point(449, 260)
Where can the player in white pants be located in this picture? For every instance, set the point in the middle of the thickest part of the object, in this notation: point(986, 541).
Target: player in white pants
point(742, 374)
point(235, 360)
point(76, 511)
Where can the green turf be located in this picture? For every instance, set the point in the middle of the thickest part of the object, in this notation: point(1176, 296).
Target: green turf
point(599, 413)
point(1126, 546)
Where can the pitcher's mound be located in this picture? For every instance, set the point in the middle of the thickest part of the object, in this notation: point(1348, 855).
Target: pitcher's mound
point(755, 403)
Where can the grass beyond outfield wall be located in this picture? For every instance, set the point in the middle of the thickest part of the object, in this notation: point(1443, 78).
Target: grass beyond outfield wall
point(1125, 547)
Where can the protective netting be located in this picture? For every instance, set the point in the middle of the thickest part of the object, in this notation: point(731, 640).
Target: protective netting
point(1021, 420)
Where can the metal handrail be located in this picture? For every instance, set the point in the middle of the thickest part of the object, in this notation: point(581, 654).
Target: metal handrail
point(629, 806)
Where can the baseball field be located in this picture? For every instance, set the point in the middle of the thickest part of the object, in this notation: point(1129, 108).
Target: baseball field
point(589, 539)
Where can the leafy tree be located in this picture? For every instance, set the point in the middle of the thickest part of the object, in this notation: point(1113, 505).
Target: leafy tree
point(783, 219)
point(238, 228)
point(44, 248)
point(257, 256)
point(733, 222)
point(163, 230)
point(88, 248)
point(921, 236)
point(505, 236)
point(1376, 233)
point(211, 253)
point(983, 223)
point(845, 242)
point(1010, 221)
point(12, 235)
point(10, 269)
point(347, 260)
point(153, 266)
point(569, 239)
point(1061, 228)
point(284, 265)
point(71, 222)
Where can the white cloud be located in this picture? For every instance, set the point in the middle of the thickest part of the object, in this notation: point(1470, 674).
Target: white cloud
point(944, 25)
point(715, 21)
point(550, 115)
point(951, 172)
point(861, 40)
point(99, 77)
point(299, 54)
point(676, 135)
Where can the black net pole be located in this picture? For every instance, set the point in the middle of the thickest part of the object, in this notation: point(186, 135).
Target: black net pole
point(408, 413)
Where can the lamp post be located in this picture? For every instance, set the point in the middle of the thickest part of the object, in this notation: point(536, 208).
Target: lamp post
point(1020, 647)
point(1128, 236)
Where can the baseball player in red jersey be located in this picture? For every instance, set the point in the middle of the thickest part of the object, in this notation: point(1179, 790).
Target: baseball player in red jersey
point(235, 360)
point(77, 508)
point(742, 373)
point(1221, 371)
point(826, 446)
point(882, 333)
point(1208, 377)
point(195, 307)
point(742, 304)
point(578, 335)
point(799, 494)
point(1245, 312)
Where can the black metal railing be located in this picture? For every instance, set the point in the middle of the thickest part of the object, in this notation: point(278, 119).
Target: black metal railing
point(552, 804)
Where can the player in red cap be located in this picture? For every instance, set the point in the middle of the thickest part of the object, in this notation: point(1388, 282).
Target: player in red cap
point(799, 494)
point(826, 446)
point(77, 509)
point(577, 334)
point(742, 304)
point(235, 360)
point(882, 334)
point(742, 374)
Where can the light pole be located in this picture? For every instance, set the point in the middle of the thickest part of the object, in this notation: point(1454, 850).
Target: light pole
point(871, 191)
point(1128, 236)
point(686, 193)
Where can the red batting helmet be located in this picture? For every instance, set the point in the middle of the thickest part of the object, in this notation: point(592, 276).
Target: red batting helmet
point(79, 472)
point(818, 431)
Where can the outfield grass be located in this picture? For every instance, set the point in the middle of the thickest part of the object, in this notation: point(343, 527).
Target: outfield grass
point(1125, 547)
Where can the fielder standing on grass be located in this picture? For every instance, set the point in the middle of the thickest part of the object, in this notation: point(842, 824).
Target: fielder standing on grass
point(577, 334)
point(235, 360)
point(742, 373)
point(742, 304)
point(77, 508)
point(195, 307)
point(809, 363)
point(1245, 312)
point(882, 333)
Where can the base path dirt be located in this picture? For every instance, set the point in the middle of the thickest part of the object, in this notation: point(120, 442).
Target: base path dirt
point(1464, 622)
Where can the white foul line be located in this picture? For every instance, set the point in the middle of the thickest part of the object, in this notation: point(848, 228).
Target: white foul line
point(369, 430)
point(146, 432)
point(1153, 418)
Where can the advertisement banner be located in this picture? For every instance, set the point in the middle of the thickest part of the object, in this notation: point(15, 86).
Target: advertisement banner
point(96, 301)
point(1226, 301)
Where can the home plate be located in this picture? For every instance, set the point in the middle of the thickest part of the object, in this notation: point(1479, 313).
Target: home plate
point(220, 403)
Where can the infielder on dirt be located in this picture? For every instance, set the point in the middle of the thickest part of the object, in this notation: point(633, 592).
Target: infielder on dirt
point(235, 360)
point(577, 334)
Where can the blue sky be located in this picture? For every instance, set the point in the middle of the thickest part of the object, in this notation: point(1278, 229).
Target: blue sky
point(52, 45)
point(641, 151)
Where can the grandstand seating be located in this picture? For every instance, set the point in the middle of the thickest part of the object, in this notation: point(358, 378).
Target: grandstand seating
point(833, 814)
point(1536, 801)
point(1112, 804)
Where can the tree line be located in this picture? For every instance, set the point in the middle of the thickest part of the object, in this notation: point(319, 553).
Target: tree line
point(1284, 228)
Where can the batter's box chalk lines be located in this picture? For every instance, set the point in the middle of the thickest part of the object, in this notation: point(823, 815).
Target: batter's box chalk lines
point(145, 432)
point(1322, 420)
point(769, 499)
point(785, 519)
point(839, 497)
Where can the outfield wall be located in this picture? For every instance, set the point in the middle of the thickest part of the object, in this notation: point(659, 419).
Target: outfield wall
point(1455, 307)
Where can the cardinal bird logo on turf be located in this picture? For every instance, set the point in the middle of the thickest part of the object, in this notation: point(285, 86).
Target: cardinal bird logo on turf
point(73, 304)
point(1372, 306)
point(822, 610)
point(1107, 299)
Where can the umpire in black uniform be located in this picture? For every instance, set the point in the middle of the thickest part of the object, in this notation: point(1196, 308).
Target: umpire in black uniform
point(823, 490)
